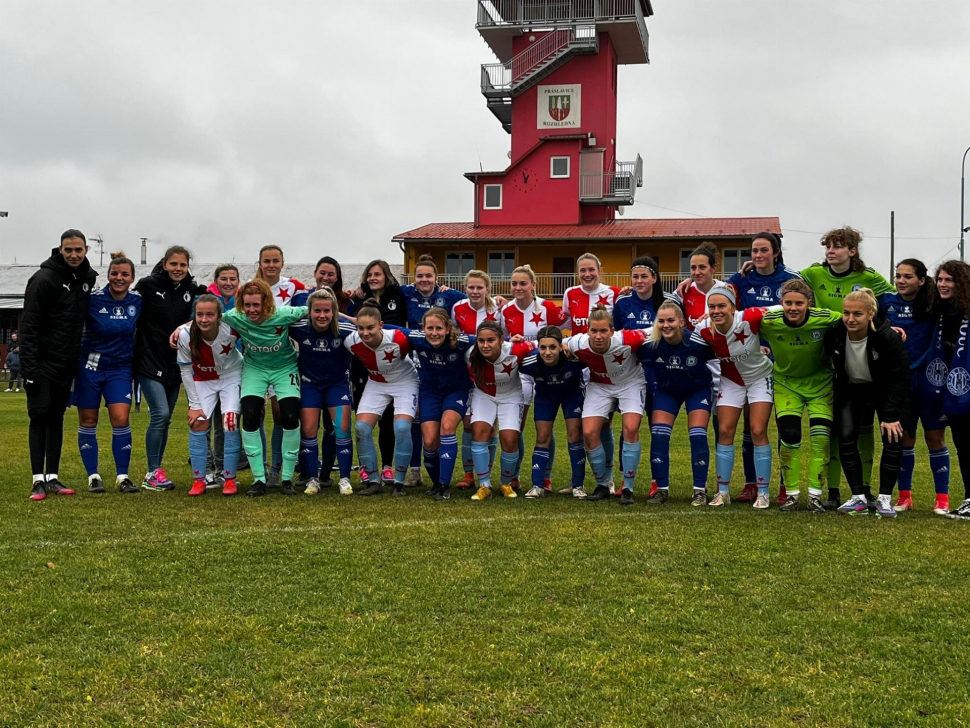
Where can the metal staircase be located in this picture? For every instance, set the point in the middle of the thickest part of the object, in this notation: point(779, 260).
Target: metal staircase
point(501, 82)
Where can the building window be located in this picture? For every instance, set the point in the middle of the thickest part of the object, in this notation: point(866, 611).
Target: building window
point(559, 168)
point(493, 197)
point(685, 261)
point(733, 258)
point(501, 264)
point(458, 263)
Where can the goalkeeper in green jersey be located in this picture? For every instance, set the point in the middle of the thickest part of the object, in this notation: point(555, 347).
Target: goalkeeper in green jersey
point(269, 361)
point(841, 273)
point(803, 380)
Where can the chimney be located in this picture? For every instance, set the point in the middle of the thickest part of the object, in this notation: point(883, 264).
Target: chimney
point(144, 251)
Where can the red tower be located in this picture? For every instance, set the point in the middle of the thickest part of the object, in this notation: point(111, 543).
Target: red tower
point(554, 90)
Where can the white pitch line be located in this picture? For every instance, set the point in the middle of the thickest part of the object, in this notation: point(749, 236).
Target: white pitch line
point(201, 534)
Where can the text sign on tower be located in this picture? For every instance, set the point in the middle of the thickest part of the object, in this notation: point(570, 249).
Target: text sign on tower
point(560, 107)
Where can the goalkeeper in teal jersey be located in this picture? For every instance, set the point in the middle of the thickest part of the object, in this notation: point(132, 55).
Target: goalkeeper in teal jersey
point(803, 380)
point(269, 361)
point(842, 272)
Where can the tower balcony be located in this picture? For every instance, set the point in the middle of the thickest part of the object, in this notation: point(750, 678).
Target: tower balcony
point(618, 187)
point(499, 21)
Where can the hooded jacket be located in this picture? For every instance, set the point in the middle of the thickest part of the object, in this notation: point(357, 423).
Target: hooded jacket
point(165, 306)
point(888, 367)
point(55, 307)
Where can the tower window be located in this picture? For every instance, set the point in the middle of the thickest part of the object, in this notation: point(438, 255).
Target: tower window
point(493, 197)
point(559, 167)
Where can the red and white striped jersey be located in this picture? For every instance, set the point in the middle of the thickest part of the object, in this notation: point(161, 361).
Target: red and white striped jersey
point(619, 365)
point(389, 361)
point(502, 378)
point(739, 352)
point(285, 289)
point(694, 304)
point(468, 319)
point(527, 323)
point(577, 302)
point(216, 359)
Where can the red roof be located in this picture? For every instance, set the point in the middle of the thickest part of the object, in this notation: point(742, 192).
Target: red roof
point(702, 227)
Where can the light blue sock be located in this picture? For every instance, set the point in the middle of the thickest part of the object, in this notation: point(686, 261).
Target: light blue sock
point(483, 467)
point(466, 451)
point(724, 457)
point(597, 463)
point(87, 445)
point(492, 449)
point(552, 457)
point(198, 449)
point(520, 456)
point(609, 449)
point(402, 450)
point(762, 467)
point(509, 461)
point(631, 463)
point(121, 448)
point(230, 454)
point(366, 453)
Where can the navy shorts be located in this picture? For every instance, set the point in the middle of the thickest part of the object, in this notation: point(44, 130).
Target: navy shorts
point(544, 408)
point(318, 396)
point(664, 401)
point(93, 384)
point(432, 404)
point(925, 409)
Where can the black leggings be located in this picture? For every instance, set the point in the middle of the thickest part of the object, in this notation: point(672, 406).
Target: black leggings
point(47, 401)
point(253, 409)
point(858, 407)
point(960, 430)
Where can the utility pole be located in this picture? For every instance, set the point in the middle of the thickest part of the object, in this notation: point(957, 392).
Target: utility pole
point(100, 241)
point(892, 242)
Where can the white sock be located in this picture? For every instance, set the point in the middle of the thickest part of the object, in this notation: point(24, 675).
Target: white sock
point(92, 477)
point(51, 476)
point(884, 499)
point(121, 476)
point(39, 477)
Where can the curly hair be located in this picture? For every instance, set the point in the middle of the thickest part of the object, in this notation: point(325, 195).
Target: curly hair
point(256, 287)
point(960, 272)
point(845, 237)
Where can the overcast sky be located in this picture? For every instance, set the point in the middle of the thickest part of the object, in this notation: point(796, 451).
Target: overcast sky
point(328, 127)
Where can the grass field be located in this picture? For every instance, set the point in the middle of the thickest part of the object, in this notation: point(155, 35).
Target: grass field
point(156, 609)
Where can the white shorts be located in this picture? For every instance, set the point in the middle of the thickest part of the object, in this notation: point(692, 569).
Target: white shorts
point(602, 399)
point(735, 395)
point(528, 388)
point(219, 391)
point(378, 395)
point(485, 408)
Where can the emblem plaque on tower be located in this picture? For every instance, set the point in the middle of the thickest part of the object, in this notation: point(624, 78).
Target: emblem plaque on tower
point(559, 107)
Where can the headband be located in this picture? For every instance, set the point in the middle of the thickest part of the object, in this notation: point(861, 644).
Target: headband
point(727, 292)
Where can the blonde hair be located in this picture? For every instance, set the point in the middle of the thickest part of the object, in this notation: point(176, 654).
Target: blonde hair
point(655, 335)
point(489, 301)
point(325, 294)
point(867, 298)
point(527, 269)
point(259, 287)
point(600, 313)
point(589, 256)
point(440, 313)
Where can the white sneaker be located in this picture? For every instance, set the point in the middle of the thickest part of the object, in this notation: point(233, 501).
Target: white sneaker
point(723, 498)
point(535, 491)
point(762, 503)
point(8, 389)
point(579, 492)
point(413, 478)
point(312, 487)
point(345, 487)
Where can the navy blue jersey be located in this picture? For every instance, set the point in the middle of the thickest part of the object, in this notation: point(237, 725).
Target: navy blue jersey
point(682, 369)
point(443, 367)
point(757, 290)
point(419, 305)
point(899, 312)
point(322, 357)
point(556, 382)
point(109, 330)
point(299, 298)
point(632, 312)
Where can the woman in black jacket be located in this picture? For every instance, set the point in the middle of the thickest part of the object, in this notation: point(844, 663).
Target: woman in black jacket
point(55, 306)
point(379, 283)
point(871, 374)
point(167, 296)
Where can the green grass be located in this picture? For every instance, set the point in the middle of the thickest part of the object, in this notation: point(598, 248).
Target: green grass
point(157, 609)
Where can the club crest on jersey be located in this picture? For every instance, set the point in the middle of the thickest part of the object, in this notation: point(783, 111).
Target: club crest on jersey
point(856, 287)
point(131, 311)
point(958, 382)
point(816, 335)
point(187, 297)
point(936, 372)
point(452, 357)
point(440, 301)
point(85, 288)
point(691, 361)
point(392, 306)
point(675, 361)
